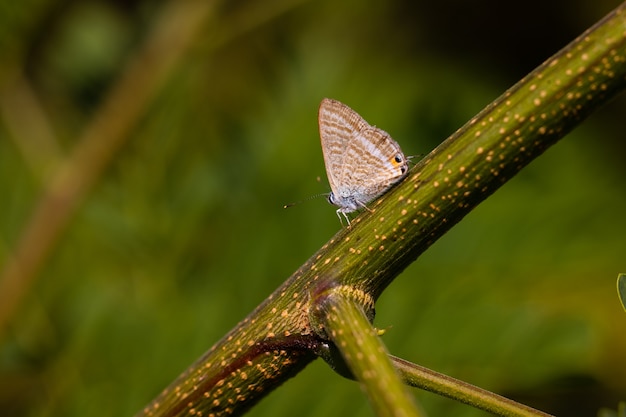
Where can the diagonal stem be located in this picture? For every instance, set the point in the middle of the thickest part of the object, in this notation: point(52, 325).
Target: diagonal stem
point(340, 316)
point(420, 377)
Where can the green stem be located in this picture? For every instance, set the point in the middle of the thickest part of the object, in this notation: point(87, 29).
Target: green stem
point(621, 289)
point(420, 377)
point(340, 317)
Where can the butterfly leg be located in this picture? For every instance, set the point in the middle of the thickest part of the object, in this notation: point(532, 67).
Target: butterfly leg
point(362, 205)
point(339, 213)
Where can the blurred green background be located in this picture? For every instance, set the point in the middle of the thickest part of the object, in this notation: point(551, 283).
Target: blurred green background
point(184, 233)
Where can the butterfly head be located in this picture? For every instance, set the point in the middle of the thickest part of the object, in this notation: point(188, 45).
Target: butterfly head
point(347, 204)
point(400, 161)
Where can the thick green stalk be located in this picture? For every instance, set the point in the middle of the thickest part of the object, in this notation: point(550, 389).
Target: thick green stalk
point(485, 153)
point(339, 314)
point(277, 339)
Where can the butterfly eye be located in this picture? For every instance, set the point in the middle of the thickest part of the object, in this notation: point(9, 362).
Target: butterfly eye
point(398, 158)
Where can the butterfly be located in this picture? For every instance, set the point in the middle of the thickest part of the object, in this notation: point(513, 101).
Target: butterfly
point(362, 161)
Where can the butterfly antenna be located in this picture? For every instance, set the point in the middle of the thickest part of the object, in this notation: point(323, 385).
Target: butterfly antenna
point(417, 157)
point(306, 199)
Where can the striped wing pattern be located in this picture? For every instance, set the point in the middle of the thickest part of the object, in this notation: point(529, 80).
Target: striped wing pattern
point(362, 161)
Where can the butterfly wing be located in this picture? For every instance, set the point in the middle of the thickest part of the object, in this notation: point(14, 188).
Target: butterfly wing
point(362, 161)
point(377, 163)
point(337, 123)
